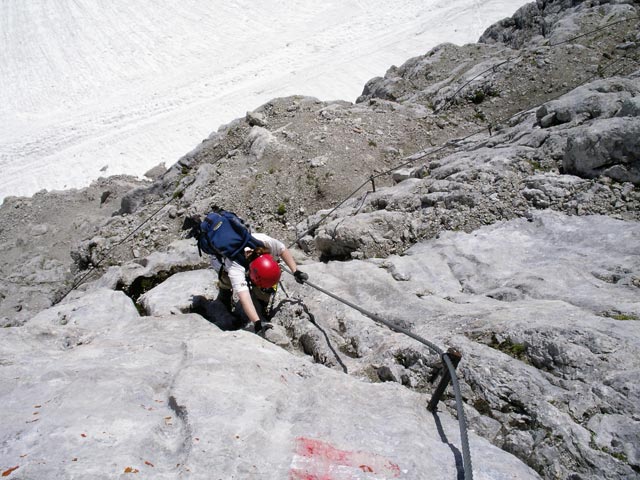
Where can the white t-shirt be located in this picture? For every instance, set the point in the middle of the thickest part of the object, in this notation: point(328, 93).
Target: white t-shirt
point(236, 271)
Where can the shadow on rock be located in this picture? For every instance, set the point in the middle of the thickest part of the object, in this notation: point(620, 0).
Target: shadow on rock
point(456, 453)
point(215, 312)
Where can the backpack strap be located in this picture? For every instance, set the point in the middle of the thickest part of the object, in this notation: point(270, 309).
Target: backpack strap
point(243, 232)
point(248, 240)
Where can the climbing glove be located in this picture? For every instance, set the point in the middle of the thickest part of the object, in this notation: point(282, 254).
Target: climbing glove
point(300, 277)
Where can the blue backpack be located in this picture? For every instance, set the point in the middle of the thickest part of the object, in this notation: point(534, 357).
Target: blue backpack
point(224, 234)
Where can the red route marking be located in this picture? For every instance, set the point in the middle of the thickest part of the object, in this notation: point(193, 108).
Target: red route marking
point(322, 456)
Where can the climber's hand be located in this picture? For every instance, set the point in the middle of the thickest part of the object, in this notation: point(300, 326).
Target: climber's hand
point(261, 327)
point(300, 277)
point(193, 225)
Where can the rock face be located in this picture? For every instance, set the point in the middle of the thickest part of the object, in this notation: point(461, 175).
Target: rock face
point(511, 234)
point(546, 312)
point(603, 124)
point(552, 21)
point(175, 295)
point(519, 169)
point(36, 236)
point(97, 394)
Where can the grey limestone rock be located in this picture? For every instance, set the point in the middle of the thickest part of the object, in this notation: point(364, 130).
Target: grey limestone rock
point(258, 140)
point(544, 352)
point(630, 107)
point(618, 435)
point(204, 176)
point(176, 294)
point(156, 172)
point(600, 99)
point(132, 200)
point(492, 245)
point(256, 119)
point(609, 147)
point(173, 395)
point(527, 22)
point(368, 233)
point(180, 255)
point(555, 20)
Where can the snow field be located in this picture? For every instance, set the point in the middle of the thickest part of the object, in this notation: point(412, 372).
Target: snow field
point(90, 89)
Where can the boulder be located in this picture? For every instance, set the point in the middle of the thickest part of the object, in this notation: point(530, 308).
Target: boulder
point(158, 266)
point(366, 234)
point(258, 140)
point(600, 99)
point(156, 172)
point(609, 147)
point(176, 294)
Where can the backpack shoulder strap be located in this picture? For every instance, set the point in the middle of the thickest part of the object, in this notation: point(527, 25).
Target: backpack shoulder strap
point(254, 243)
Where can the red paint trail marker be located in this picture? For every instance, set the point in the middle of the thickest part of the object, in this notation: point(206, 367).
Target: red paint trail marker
point(319, 460)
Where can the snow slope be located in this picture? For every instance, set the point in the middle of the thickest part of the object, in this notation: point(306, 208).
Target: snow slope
point(99, 88)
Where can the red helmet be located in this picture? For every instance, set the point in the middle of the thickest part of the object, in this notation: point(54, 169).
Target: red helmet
point(264, 271)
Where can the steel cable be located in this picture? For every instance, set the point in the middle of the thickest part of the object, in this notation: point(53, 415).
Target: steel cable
point(408, 160)
point(462, 422)
point(95, 266)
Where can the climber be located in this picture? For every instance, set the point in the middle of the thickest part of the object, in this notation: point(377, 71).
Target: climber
point(246, 263)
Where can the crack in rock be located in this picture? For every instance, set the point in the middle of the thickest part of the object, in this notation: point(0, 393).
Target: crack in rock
point(178, 437)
